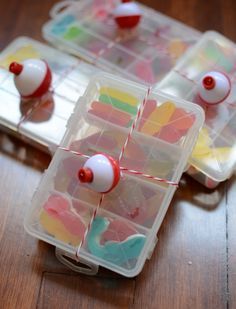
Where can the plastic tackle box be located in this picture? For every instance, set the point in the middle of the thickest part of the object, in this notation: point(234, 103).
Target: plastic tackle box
point(87, 29)
point(150, 135)
point(214, 157)
point(41, 122)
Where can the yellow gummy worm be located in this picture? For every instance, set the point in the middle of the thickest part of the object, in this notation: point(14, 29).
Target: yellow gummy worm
point(19, 55)
point(120, 95)
point(220, 155)
point(54, 227)
point(158, 118)
point(203, 152)
point(202, 147)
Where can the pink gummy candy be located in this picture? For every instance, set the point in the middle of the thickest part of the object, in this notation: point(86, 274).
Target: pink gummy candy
point(169, 134)
point(118, 231)
point(55, 205)
point(150, 106)
point(143, 70)
point(59, 208)
point(181, 120)
point(107, 112)
point(73, 223)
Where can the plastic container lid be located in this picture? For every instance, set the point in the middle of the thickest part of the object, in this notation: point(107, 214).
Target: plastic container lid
point(42, 121)
point(122, 232)
point(87, 29)
point(215, 152)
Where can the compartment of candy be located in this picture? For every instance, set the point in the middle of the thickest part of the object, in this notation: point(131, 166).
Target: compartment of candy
point(151, 156)
point(136, 199)
point(60, 220)
point(214, 155)
point(107, 102)
point(163, 118)
point(114, 111)
point(117, 244)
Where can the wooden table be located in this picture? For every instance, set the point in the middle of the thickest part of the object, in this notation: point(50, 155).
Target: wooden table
point(194, 263)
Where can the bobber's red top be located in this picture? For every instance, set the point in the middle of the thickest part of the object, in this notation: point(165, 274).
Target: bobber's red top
point(15, 68)
point(85, 175)
point(208, 82)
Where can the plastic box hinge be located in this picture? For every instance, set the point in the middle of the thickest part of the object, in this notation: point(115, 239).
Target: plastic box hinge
point(81, 266)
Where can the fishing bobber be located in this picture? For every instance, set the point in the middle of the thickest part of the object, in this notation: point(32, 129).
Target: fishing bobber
point(214, 87)
point(127, 14)
point(100, 173)
point(32, 77)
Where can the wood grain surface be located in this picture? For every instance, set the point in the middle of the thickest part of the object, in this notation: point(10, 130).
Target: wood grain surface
point(194, 263)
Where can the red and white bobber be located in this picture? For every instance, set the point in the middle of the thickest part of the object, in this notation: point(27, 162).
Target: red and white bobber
point(101, 173)
point(32, 77)
point(127, 14)
point(214, 87)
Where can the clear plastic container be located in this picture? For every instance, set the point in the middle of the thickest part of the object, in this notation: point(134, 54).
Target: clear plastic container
point(87, 29)
point(123, 233)
point(214, 157)
point(45, 125)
